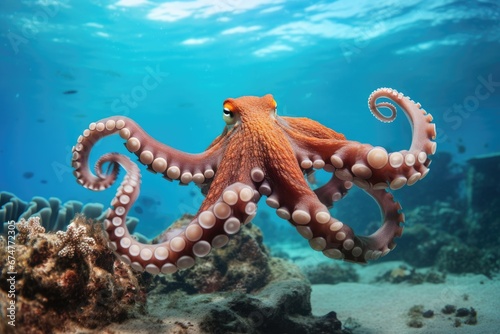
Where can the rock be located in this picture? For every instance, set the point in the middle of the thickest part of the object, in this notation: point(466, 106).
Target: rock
point(237, 289)
point(281, 307)
point(331, 273)
point(245, 264)
point(55, 293)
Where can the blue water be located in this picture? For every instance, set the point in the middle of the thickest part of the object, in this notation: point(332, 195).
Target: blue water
point(178, 61)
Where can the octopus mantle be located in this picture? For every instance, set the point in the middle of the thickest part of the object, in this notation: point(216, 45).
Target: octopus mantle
point(260, 154)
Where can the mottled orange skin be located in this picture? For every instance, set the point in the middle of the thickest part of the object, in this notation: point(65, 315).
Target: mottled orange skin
point(261, 138)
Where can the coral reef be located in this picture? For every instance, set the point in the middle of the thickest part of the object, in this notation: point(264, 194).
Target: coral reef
point(54, 215)
point(239, 288)
point(458, 258)
point(57, 293)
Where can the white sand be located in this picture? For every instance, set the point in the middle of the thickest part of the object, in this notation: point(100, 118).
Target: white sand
point(383, 307)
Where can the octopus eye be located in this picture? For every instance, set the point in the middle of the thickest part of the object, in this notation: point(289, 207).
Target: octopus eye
point(228, 116)
point(228, 113)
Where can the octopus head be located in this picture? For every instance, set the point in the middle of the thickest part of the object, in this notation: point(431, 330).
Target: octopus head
point(249, 108)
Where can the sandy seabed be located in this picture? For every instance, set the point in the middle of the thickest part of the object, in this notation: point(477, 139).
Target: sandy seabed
point(383, 307)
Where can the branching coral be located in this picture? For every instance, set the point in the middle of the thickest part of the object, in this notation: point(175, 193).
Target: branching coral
point(74, 240)
point(29, 229)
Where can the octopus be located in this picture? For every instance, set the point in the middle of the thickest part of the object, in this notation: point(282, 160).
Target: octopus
point(260, 154)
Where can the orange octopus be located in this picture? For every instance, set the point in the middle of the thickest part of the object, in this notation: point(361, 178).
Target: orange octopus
point(260, 153)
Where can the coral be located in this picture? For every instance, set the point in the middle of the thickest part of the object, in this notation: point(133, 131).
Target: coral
point(29, 229)
point(74, 240)
point(60, 294)
point(54, 215)
point(418, 242)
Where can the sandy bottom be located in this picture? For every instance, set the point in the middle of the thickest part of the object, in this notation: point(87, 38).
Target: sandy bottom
point(383, 307)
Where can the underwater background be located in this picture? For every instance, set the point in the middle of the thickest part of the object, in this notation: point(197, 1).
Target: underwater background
point(65, 64)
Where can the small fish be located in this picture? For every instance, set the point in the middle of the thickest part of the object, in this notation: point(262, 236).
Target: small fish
point(28, 175)
point(148, 201)
point(69, 92)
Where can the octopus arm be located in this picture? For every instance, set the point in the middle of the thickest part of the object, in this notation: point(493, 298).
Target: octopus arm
point(309, 128)
point(337, 240)
point(211, 227)
point(332, 191)
point(307, 211)
point(159, 158)
point(363, 164)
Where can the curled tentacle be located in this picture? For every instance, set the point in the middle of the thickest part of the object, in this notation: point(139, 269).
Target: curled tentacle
point(365, 165)
point(159, 158)
point(211, 228)
point(374, 108)
point(369, 166)
point(303, 208)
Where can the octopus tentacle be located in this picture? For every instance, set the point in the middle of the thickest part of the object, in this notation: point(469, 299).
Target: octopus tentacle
point(369, 166)
point(333, 191)
point(373, 166)
point(302, 132)
point(211, 228)
point(159, 158)
point(342, 243)
point(309, 214)
point(301, 209)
